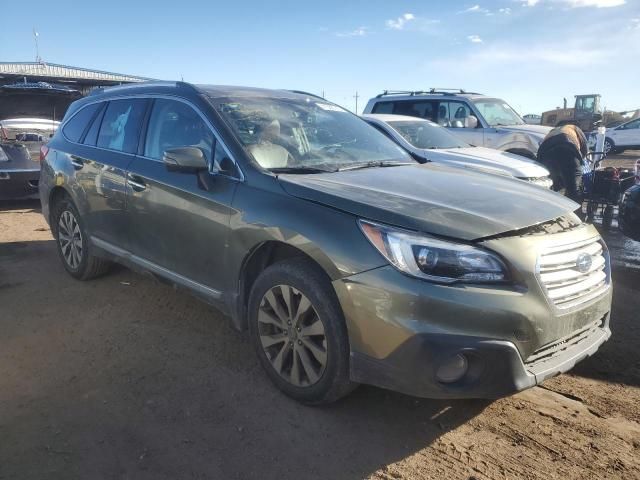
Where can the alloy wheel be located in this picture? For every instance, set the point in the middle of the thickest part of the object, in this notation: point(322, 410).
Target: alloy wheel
point(70, 239)
point(607, 147)
point(292, 335)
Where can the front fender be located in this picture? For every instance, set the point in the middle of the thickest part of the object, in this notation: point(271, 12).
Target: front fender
point(330, 237)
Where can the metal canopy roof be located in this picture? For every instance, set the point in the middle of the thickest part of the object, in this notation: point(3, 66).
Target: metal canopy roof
point(52, 70)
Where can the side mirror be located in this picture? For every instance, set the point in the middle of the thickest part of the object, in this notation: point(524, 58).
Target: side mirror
point(470, 122)
point(185, 159)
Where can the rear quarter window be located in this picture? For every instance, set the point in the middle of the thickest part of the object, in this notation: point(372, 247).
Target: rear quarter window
point(91, 136)
point(76, 126)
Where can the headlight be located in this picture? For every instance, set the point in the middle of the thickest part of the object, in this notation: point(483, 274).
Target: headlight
point(3, 156)
point(433, 259)
point(545, 182)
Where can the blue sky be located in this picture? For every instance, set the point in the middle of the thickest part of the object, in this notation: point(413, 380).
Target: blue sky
point(532, 53)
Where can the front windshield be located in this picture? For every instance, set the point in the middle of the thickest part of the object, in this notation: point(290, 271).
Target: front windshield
point(426, 135)
point(497, 112)
point(299, 133)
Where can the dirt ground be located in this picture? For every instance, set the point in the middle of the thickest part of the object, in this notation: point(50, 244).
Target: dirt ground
point(126, 378)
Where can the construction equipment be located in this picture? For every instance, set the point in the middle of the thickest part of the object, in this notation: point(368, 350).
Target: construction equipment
point(586, 114)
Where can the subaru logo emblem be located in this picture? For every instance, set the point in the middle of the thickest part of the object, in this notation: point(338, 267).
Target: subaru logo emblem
point(583, 262)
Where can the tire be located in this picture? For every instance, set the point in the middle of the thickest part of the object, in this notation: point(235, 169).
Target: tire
point(293, 346)
point(75, 254)
point(607, 217)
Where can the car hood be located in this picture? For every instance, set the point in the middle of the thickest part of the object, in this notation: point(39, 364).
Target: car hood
point(489, 160)
point(430, 198)
point(537, 131)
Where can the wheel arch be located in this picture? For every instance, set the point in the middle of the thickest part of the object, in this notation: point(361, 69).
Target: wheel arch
point(56, 194)
point(256, 261)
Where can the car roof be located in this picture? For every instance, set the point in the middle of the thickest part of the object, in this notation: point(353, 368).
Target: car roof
point(185, 90)
point(390, 97)
point(212, 91)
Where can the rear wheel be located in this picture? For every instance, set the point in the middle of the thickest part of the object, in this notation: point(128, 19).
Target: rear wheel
point(73, 243)
point(298, 331)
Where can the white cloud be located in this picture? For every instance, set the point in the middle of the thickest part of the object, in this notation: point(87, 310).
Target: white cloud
point(635, 23)
point(505, 11)
point(474, 38)
point(530, 3)
point(400, 22)
point(358, 32)
point(476, 9)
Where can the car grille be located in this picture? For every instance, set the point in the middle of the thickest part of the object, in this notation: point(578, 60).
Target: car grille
point(574, 273)
point(556, 348)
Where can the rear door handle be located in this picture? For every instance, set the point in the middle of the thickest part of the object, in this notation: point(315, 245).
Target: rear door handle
point(77, 162)
point(136, 182)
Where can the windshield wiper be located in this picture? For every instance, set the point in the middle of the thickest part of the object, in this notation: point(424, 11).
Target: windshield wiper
point(383, 163)
point(301, 170)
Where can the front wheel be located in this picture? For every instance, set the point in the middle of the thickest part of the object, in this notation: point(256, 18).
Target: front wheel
point(299, 334)
point(73, 244)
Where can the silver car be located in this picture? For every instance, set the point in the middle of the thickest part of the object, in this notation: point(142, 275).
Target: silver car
point(477, 119)
point(431, 142)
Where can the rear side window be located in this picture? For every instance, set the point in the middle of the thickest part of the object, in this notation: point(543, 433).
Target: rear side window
point(92, 135)
point(121, 124)
point(413, 108)
point(76, 126)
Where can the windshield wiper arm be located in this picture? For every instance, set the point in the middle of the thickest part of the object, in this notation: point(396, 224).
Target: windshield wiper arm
point(301, 170)
point(358, 166)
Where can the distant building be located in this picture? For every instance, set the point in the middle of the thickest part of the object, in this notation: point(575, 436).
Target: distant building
point(76, 78)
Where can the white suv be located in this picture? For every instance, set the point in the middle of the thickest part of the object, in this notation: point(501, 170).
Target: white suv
point(479, 120)
point(623, 137)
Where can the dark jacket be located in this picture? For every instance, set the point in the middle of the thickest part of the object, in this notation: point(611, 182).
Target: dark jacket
point(567, 138)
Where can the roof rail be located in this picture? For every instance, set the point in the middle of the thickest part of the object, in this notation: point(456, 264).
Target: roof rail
point(400, 92)
point(443, 91)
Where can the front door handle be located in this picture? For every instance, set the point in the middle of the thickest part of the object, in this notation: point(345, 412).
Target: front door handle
point(77, 162)
point(136, 182)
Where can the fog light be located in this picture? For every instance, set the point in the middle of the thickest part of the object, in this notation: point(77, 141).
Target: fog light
point(453, 369)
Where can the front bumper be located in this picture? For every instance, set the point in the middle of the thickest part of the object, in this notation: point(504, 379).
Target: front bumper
point(19, 184)
point(402, 329)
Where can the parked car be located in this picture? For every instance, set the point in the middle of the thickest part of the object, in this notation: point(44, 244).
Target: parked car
point(347, 261)
point(618, 139)
point(431, 142)
point(29, 114)
point(477, 119)
point(629, 212)
point(19, 174)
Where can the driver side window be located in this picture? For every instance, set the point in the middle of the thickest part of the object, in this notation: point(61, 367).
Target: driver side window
point(453, 114)
point(175, 124)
